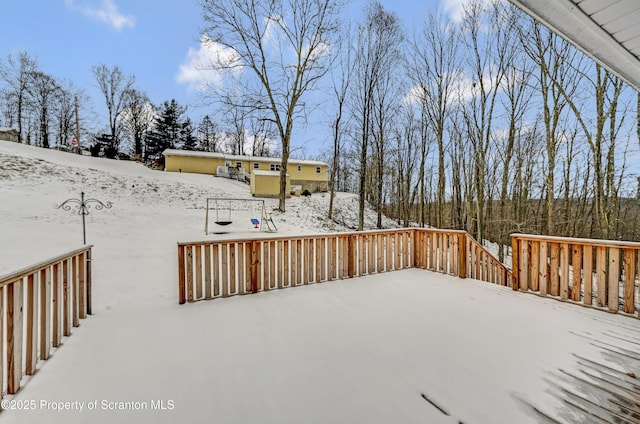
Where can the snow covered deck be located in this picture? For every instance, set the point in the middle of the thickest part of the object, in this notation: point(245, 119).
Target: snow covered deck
point(407, 346)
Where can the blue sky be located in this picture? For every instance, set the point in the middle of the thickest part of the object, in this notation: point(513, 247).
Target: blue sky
point(154, 40)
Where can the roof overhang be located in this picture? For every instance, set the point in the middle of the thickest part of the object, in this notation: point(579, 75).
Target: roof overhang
point(605, 30)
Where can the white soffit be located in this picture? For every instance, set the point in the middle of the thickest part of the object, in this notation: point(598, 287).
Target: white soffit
point(606, 30)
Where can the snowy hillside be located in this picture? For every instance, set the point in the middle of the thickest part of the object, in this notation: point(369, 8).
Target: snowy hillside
point(152, 210)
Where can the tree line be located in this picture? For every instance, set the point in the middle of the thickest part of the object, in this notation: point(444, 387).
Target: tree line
point(44, 111)
point(492, 124)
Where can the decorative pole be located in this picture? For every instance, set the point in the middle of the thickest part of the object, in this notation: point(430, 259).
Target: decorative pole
point(79, 145)
point(82, 206)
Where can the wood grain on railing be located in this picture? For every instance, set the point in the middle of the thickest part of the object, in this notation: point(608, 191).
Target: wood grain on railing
point(597, 273)
point(37, 305)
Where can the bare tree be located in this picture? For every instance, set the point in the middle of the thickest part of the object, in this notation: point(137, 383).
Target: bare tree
point(65, 111)
point(433, 71)
point(517, 90)
point(284, 45)
point(208, 134)
point(18, 75)
point(408, 151)
point(376, 56)
point(237, 130)
point(262, 134)
point(602, 138)
point(340, 89)
point(553, 58)
point(137, 119)
point(487, 42)
point(44, 89)
point(388, 95)
point(115, 86)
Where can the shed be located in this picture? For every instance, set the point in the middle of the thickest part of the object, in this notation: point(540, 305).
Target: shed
point(267, 183)
point(9, 134)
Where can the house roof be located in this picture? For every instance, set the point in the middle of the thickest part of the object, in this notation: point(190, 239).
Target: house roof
point(605, 30)
point(218, 155)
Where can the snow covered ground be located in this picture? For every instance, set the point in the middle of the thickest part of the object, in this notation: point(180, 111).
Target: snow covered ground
point(360, 350)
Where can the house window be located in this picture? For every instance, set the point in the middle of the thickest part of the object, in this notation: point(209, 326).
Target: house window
point(275, 167)
point(299, 168)
point(256, 165)
point(238, 165)
point(318, 170)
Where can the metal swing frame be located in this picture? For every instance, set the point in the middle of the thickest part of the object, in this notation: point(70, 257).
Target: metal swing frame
point(264, 217)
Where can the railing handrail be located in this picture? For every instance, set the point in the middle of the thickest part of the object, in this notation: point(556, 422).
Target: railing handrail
point(21, 273)
point(484, 249)
point(303, 236)
point(575, 240)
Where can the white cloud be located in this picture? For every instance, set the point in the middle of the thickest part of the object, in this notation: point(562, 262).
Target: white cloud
point(206, 65)
point(321, 50)
point(454, 8)
point(272, 27)
point(107, 12)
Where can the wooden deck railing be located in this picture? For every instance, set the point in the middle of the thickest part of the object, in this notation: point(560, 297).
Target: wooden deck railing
point(38, 306)
point(221, 268)
point(597, 273)
point(483, 266)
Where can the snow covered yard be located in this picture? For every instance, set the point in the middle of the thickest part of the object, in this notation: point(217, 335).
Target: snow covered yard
point(401, 346)
point(360, 350)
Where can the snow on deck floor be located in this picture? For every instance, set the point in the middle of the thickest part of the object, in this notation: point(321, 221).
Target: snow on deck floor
point(353, 351)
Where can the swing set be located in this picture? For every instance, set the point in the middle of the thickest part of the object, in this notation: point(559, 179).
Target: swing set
point(224, 213)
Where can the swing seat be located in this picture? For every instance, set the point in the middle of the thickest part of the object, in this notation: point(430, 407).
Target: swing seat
point(223, 222)
point(255, 221)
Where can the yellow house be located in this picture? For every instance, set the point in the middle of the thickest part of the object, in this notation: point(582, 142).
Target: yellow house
point(303, 174)
point(267, 183)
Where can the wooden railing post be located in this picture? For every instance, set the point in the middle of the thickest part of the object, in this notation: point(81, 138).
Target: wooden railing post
point(254, 266)
point(45, 311)
point(515, 263)
point(56, 334)
point(462, 248)
point(414, 246)
point(351, 255)
point(32, 330)
point(82, 275)
point(75, 291)
point(189, 273)
point(182, 298)
point(66, 323)
point(89, 302)
point(14, 336)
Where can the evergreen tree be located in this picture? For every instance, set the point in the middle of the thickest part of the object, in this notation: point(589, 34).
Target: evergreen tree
point(189, 141)
point(208, 135)
point(168, 130)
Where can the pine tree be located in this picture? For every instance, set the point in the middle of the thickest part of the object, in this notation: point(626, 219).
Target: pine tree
point(168, 129)
point(189, 141)
point(208, 135)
